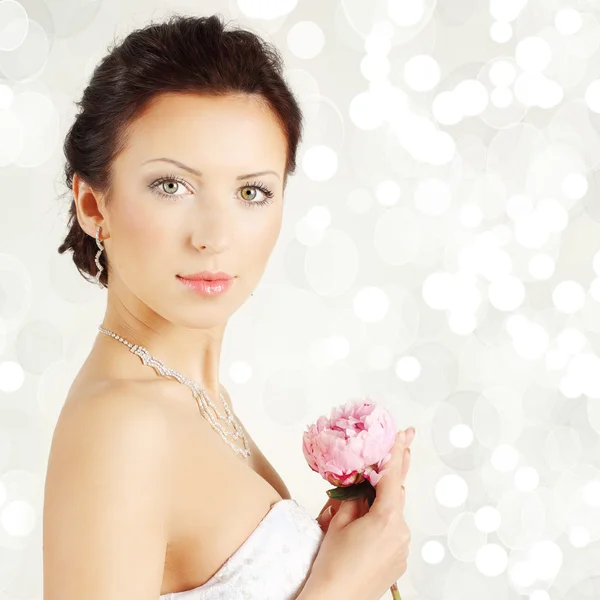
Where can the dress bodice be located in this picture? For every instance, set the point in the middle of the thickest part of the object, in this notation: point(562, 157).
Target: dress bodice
point(273, 562)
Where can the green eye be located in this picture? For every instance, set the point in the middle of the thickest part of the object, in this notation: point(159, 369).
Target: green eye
point(168, 186)
point(174, 185)
point(249, 193)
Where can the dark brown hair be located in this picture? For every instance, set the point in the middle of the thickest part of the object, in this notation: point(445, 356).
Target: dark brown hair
point(182, 54)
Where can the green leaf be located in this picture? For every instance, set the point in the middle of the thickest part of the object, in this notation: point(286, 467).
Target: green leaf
point(358, 490)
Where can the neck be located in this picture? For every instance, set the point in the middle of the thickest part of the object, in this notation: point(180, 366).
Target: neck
point(213, 388)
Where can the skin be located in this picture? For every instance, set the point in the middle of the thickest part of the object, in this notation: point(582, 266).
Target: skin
point(206, 223)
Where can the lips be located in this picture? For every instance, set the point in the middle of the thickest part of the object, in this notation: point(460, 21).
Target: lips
point(207, 276)
point(205, 287)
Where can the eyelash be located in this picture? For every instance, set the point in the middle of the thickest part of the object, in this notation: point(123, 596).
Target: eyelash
point(255, 184)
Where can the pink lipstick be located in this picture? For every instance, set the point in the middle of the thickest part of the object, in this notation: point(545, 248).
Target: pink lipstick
point(207, 283)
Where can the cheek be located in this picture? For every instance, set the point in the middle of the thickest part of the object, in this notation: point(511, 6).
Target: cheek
point(139, 232)
point(264, 239)
point(253, 242)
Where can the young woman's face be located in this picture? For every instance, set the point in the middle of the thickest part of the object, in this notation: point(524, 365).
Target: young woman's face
point(165, 220)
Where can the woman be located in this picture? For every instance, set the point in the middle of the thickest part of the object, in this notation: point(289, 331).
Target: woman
point(178, 162)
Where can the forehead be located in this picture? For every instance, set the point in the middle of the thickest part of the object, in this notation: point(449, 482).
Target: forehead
point(236, 130)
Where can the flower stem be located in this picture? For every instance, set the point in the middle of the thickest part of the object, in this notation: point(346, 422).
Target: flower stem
point(395, 593)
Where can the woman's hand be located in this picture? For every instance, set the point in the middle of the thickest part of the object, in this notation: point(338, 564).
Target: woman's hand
point(375, 545)
point(325, 515)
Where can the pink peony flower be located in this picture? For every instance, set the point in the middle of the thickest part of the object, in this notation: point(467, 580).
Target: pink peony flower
point(352, 444)
point(349, 449)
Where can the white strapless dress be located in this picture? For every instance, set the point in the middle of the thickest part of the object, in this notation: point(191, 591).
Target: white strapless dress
point(273, 562)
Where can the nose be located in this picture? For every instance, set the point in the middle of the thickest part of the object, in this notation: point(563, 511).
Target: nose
point(212, 229)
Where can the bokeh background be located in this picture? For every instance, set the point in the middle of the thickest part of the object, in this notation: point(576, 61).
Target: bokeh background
point(440, 252)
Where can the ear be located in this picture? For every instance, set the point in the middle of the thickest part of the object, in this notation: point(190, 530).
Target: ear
point(90, 207)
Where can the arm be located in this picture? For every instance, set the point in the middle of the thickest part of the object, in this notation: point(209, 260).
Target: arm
point(106, 500)
point(310, 595)
point(311, 592)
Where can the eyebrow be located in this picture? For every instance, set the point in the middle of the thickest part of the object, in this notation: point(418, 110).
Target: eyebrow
point(198, 174)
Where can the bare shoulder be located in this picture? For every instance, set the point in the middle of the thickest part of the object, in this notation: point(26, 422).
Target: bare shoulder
point(118, 416)
point(106, 504)
point(149, 400)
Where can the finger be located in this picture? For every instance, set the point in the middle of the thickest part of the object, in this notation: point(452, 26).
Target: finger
point(410, 435)
point(405, 464)
point(325, 507)
point(333, 502)
point(325, 518)
point(349, 511)
point(389, 487)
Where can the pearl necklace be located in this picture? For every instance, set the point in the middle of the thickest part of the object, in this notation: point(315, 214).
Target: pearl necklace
point(199, 394)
